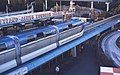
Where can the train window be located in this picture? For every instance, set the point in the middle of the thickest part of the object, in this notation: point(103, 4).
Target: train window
point(2, 47)
point(40, 35)
point(31, 38)
point(65, 28)
point(75, 25)
point(49, 32)
point(90, 20)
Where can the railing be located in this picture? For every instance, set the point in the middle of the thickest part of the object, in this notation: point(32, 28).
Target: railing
point(96, 24)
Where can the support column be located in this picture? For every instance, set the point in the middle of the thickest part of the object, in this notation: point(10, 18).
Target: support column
point(60, 5)
point(97, 37)
point(73, 52)
point(92, 5)
point(8, 1)
point(32, 8)
point(46, 5)
point(43, 6)
point(113, 27)
point(108, 3)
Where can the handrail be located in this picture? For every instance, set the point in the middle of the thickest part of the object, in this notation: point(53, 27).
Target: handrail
point(96, 24)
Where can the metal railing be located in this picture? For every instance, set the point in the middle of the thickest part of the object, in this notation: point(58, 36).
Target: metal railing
point(96, 24)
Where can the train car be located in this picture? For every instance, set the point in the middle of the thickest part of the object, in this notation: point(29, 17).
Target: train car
point(34, 43)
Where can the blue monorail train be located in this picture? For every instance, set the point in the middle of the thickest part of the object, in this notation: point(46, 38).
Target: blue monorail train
point(38, 41)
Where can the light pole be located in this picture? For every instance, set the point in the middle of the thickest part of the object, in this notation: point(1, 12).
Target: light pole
point(7, 9)
point(43, 6)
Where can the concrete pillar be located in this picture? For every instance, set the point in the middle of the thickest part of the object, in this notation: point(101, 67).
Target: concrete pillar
point(99, 34)
point(60, 5)
point(92, 5)
point(7, 10)
point(97, 37)
point(32, 8)
point(107, 3)
point(46, 5)
point(56, 7)
point(8, 1)
point(113, 27)
point(43, 6)
point(73, 52)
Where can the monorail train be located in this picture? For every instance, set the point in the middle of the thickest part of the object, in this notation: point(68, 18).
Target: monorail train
point(37, 42)
point(20, 27)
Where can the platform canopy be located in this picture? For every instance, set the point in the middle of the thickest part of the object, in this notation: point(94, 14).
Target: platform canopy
point(86, 0)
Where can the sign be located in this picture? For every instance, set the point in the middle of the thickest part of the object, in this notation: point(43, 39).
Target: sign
point(27, 17)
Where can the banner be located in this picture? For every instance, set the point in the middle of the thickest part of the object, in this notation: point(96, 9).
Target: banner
point(27, 17)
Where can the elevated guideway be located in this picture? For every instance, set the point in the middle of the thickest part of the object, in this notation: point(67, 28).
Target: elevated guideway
point(110, 48)
point(89, 32)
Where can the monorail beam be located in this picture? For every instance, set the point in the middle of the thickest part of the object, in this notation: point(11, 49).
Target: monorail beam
point(46, 4)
